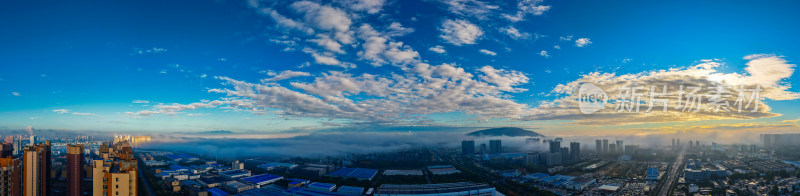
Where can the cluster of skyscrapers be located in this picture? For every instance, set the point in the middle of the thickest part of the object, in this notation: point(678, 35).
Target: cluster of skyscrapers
point(603, 147)
point(617, 148)
point(780, 140)
point(31, 173)
point(468, 147)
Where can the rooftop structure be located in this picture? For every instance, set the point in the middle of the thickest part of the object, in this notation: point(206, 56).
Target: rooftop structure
point(608, 188)
point(322, 186)
point(234, 174)
point(350, 190)
point(237, 187)
point(213, 181)
point(357, 173)
point(536, 176)
point(652, 173)
point(262, 179)
point(459, 188)
point(217, 192)
point(442, 169)
point(275, 165)
point(579, 183)
point(402, 172)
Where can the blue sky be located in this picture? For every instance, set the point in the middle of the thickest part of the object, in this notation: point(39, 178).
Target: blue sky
point(140, 65)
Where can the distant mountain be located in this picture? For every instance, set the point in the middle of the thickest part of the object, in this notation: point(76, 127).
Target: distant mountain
point(505, 131)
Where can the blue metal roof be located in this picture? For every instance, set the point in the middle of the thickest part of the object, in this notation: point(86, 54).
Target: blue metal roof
point(217, 192)
point(537, 175)
point(261, 178)
point(360, 173)
point(321, 185)
point(232, 172)
point(178, 167)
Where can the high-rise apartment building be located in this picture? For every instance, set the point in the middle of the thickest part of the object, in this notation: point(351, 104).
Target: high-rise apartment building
point(574, 151)
point(565, 158)
point(10, 179)
point(605, 146)
point(483, 148)
point(17, 147)
point(74, 169)
point(6, 150)
point(555, 146)
point(620, 147)
point(116, 173)
point(36, 181)
point(495, 147)
point(468, 147)
point(612, 148)
point(599, 147)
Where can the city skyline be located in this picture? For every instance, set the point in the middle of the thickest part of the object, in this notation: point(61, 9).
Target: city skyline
point(389, 66)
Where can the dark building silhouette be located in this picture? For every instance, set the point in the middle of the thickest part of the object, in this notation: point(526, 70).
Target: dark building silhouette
point(555, 146)
point(495, 147)
point(468, 147)
point(6, 149)
point(574, 151)
point(74, 169)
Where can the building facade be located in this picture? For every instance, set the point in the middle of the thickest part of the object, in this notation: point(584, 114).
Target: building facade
point(10, 179)
point(36, 181)
point(74, 169)
point(116, 173)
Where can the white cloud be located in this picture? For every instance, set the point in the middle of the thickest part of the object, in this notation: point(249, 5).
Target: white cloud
point(515, 33)
point(581, 42)
point(506, 80)
point(488, 52)
point(140, 101)
point(526, 7)
point(66, 111)
point(566, 38)
point(459, 32)
point(173, 109)
point(326, 58)
point(324, 41)
point(322, 16)
point(154, 50)
point(768, 69)
point(15, 94)
point(470, 8)
point(285, 75)
point(396, 29)
point(544, 53)
point(704, 75)
point(423, 89)
point(61, 111)
point(287, 23)
point(437, 49)
point(557, 47)
point(369, 6)
point(379, 49)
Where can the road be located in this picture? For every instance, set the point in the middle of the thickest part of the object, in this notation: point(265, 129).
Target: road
point(146, 183)
point(672, 174)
